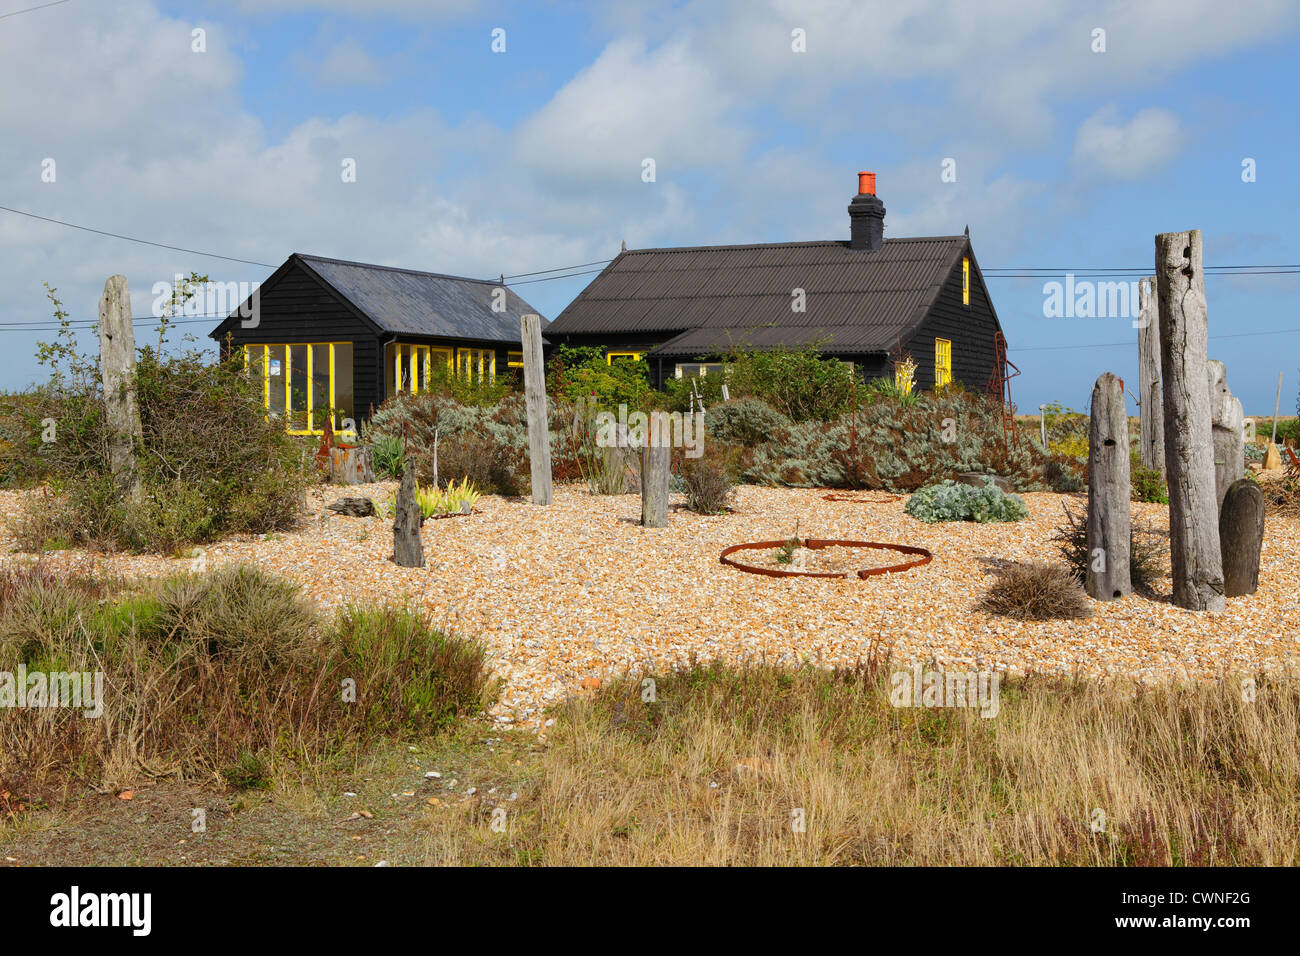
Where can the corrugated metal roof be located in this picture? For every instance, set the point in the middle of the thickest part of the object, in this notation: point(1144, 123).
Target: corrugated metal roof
point(406, 302)
point(719, 295)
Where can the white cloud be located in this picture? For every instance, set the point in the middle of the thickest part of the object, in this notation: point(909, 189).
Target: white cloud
point(630, 104)
point(346, 63)
point(1105, 147)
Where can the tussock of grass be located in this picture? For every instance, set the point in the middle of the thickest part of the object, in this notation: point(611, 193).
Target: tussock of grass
point(217, 677)
point(1037, 591)
point(1188, 775)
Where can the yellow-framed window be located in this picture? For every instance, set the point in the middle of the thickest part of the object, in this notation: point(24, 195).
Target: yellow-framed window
point(942, 362)
point(631, 356)
point(306, 384)
point(514, 360)
point(965, 280)
point(410, 366)
point(476, 365)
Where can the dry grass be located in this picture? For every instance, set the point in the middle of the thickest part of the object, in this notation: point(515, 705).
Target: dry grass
point(1036, 591)
point(1067, 772)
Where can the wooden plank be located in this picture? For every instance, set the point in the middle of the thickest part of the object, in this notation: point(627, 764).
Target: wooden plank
point(655, 458)
point(117, 371)
point(1151, 412)
point(1189, 446)
point(1108, 492)
point(408, 548)
point(1241, 531)
point(539, 438)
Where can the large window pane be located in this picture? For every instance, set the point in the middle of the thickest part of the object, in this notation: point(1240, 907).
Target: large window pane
point(298, 388)
point(320, 386)
point(276, 376)
point(342, 384)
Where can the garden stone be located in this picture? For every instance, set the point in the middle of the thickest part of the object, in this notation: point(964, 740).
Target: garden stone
point(977, 480)
point(353, 507)
point(1241, 533)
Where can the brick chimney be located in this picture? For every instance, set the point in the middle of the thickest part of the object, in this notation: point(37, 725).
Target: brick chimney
point(866, 216)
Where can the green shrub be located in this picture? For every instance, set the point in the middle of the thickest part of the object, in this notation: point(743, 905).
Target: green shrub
point(209, 462)
point(1147, 485)
point(220, 675)
point(949, 501)
point(387, 456)
point(745, 421)
point(1062, 475)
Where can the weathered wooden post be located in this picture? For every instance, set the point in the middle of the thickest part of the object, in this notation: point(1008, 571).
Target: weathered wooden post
point(117, 372)
point(1241, 530)
point(1108, 492)
point(539, 438)
point(655, 461)
point(1151, 413)
point(1189, 446)
point(408, 548)
point(1228, 423)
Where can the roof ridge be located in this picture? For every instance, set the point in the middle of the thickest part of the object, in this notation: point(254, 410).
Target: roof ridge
point(372, 265)
point(789, 245)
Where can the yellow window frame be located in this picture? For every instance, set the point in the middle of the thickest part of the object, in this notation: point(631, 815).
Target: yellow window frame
point(634, 356)
point(942, 362)
point(482, 361)
point(965, 280)
point(284, 354)
point(514, 360)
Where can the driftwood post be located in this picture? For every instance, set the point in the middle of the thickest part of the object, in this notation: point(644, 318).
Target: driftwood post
point(1228, 427)
point(351, 464)
point(655, 460)
point(117, 371)
point(1241, 529)
point(1189, 447)
point(539, 438)
point(408, 549)
point(1151, 413)
point(1108, 492)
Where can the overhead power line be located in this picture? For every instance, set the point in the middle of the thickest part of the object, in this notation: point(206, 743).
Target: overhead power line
point(143, 242)
point(6, 16)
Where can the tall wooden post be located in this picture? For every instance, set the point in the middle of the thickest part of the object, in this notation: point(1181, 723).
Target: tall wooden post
point(539, 437)
point(1151, 413)
point(655, 461)
point(117, 372)
point(408, 547)
point(1228, 424)
point(1189, 446)
point(1108, 575)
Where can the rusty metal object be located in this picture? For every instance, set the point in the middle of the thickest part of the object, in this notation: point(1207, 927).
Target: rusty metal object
point(814, 544)
point(853, 499)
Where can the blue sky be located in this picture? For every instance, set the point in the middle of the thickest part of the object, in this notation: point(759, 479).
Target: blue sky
point(479, 163)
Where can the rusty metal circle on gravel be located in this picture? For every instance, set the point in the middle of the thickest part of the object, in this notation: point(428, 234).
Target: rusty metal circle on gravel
point(853, 499)
point(815, 544)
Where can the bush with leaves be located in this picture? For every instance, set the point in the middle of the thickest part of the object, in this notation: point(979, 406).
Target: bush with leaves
point(950, 501)
point(209, 461)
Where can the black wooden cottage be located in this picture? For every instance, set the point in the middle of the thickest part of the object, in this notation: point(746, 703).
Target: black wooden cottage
point(867, 301)
point(328, 334)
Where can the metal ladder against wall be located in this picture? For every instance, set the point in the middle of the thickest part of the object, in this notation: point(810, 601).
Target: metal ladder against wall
point(999, 389)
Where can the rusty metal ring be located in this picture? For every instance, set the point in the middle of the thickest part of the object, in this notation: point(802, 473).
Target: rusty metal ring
point(814, 544)
point(864, 501)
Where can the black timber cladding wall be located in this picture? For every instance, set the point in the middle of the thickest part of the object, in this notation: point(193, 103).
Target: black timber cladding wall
point(969, 328)
point(297, 308)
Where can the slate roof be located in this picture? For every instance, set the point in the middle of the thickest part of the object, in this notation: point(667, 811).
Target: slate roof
point(713, 297)
point(409, 302)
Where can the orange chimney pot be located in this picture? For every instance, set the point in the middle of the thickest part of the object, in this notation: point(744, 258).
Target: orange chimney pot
point(867, 183)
